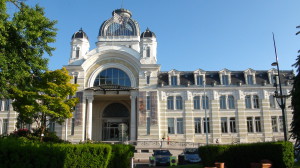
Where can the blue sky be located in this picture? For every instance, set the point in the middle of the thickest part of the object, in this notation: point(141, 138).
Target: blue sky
point(191, 34)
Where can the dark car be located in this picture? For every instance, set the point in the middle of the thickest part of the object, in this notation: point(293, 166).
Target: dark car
point(191, 155)
point(162, 157)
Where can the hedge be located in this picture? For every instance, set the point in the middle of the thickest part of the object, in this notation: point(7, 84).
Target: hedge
point(281, 154)
point(17, 153)
point(121, 156)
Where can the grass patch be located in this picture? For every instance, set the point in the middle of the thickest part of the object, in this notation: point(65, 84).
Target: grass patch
point(297, 165)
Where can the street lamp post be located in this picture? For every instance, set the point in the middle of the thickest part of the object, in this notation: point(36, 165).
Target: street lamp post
point(206, 124)
point(280, 98)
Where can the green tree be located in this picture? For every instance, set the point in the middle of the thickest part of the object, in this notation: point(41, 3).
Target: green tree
point(46, 99)
point(24, 38)
point(295, 125)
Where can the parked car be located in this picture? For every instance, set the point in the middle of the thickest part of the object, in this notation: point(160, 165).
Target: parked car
point(191, 155)
point(162, 157)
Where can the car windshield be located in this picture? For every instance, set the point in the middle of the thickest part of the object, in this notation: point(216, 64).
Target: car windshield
point(162, 152)
point(190, 151)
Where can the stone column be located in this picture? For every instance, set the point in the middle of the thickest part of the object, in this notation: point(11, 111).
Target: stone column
point(89, 117)
point(133, 96)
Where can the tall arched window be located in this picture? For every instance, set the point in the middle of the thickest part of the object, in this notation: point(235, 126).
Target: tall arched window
point(112, 76)
point(77, 52)
point(148, 51)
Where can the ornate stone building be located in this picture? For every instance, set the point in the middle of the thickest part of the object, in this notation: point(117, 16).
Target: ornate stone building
point(124, 95)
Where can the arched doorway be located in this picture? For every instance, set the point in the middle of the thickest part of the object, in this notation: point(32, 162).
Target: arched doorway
point(115, 117)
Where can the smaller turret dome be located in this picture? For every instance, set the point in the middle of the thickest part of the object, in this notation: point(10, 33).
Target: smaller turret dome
point(148, 33)
point(80, 34)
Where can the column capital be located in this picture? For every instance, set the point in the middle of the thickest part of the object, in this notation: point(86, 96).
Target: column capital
point(133, 94)
point(90, 98)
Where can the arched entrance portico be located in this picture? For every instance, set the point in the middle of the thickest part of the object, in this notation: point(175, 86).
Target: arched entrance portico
point(115, 121)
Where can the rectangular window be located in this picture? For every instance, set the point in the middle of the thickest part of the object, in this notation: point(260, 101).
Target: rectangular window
point(232, 125)
point(280, 123)
point(77, 52)
point(200, 80)
point(255, 101)
point(231, 104)
point(148, 125)
point(274, 124)
point(171, 126)
point(148, 51)
point(173, 80)
point(248, 101)
point(148, 79)
point(51, 126)
point(6, 105)
point(249, 124)
point(224, 124)
point(250, 79)
point(197, 125)
point(1, 105)
point(197, 102)
point(222, 102)
point(73, 126)
point(75, 79)
point(5, 126)
point(257, 124)
point(148, 102)
point(205, 102)
point(170, 103)
point(178, 102)
point(225, 80)
point(272, 101)
point(179, 125)
point(204, 125)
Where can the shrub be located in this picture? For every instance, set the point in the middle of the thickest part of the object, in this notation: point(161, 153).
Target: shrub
point(121, 156)
point(235, 156)
point(19, 153)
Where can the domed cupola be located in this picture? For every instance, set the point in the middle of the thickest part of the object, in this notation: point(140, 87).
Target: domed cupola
point(80, 46)
point(148, 33)
point(80, 34)
point(148, 46)
point(120, 24)
point(120, 30)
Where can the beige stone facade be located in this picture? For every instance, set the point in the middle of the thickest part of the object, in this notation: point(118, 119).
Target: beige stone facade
point(124, 96)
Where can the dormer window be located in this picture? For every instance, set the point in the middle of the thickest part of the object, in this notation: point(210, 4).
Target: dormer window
point(273, 76)
point(199, 80)
point(250, 79)
point(225, 77)
point(249, 75)
point(173, 80)
point(174, 77)
point(199, 76)
point(225, 80)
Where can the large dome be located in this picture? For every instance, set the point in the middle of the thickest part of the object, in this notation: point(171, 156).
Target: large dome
point(120, 24)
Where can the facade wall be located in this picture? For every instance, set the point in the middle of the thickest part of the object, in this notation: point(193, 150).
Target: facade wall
point(147, 99)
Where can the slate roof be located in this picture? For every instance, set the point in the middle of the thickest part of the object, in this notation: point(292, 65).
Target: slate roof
point(237, 77)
